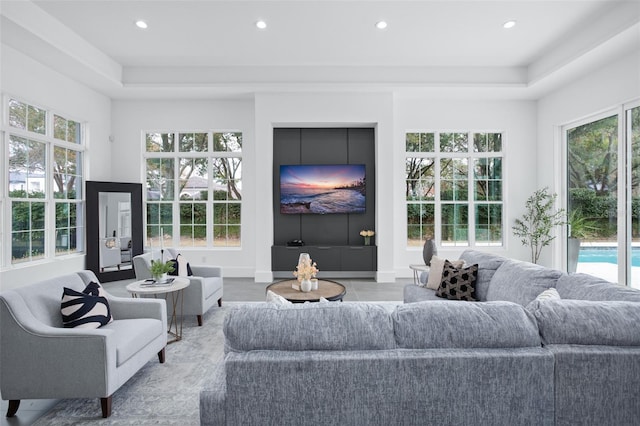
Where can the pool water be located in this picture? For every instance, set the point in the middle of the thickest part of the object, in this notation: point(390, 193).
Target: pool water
point(606, 255)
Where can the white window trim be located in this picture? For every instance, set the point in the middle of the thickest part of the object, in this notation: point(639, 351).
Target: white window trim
point(471, 155)
point(176, 155)
point(5, 201)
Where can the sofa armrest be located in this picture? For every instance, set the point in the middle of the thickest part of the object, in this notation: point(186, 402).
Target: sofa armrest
point(206, 271)
point(130, 308)
point(213, 396)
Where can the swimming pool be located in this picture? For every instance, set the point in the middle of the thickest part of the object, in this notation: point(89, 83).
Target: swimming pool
point(606, 255)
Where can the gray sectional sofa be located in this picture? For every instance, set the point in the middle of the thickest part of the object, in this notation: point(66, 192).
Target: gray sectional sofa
point(515, 361)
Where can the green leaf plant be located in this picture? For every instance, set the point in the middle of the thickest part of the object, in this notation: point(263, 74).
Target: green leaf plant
point(535, 227)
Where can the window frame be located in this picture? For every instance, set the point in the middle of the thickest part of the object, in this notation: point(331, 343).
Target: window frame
point(50, 201)
point(471, 155)
point(176, 202)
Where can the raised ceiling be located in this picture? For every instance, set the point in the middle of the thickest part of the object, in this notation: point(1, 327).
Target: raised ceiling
point(211, 47)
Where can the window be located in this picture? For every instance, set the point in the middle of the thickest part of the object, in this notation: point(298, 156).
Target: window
point(453, 188)
point(194, 188)
point(602, 209)
point(44, 185)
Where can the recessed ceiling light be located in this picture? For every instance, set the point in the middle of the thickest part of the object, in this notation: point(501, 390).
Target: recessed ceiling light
point(261, 24)
point(509, 24)
point(141, 24)
point(381, 25)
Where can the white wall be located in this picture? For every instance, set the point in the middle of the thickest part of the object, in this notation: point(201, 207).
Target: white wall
point(131, 119)
point(605, 89)
point(517, 119)
point(34, 83)
point(324, 109)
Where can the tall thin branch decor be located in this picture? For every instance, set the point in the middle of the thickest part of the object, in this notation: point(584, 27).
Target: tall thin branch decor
point(536, 225)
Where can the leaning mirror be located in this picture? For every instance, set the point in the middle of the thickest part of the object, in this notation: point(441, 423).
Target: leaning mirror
point(114, 228)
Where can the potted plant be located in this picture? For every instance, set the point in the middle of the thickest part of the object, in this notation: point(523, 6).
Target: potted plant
point(535, 227)
point(579, 227)
point(159, 270)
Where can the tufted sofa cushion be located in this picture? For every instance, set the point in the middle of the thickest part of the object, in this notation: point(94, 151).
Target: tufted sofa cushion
point(487, 265)
point(588, 287)
point(585, 322)
point(521, 282)
point(308, 326)
point(427, 325)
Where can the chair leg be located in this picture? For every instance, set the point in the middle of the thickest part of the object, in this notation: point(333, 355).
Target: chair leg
point(220, 302)
point(199, 320)
point(105, 403)
point(13, 407)
point(161, 356)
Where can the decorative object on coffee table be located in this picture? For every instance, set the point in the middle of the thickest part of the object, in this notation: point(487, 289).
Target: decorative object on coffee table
point(305, 271)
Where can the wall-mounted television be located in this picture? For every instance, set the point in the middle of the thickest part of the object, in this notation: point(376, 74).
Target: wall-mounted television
point(322, 189)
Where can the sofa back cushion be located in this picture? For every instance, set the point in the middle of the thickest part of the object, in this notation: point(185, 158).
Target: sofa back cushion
point(437, 325)
point(588, 287)
point(308, 326)
point(521, 282)
point(585, 322)
point(43, 298)
point(487, 265)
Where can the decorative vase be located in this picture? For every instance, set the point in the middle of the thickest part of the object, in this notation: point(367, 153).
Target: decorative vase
point(161, 277)
point(314, 284)
point(305, 286)
point(367, 241)
point(428, 251)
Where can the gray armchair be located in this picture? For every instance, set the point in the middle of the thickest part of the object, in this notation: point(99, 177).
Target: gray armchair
point(203, 292)
point(40, 359)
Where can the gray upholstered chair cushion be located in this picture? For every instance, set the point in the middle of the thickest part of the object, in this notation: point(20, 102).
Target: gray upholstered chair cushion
point(426, 325)
point(308, 326)
point(585, 322)
point(588, 287)
point(521, 282)
point(487, 265)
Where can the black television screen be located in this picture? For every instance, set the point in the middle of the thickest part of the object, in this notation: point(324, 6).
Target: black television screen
point(322, 189)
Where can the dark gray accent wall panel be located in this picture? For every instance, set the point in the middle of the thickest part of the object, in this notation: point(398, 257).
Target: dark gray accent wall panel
point(324, 146)
point(286, 143)
point(331, 232)
point(361, 150)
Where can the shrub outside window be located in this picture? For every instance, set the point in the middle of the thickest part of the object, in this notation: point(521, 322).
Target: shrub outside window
point(453, 188)
point(194, 188)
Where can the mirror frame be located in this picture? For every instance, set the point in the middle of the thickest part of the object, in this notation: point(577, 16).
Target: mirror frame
point(93, 189)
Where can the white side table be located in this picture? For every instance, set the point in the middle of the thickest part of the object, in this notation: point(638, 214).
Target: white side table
point(176, 289)
point(417, 269)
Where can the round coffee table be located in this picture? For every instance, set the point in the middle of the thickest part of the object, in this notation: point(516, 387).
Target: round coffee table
point(176, 288)
point(328, 289)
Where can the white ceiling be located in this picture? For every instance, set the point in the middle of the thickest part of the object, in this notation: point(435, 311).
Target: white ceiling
point(209, 47)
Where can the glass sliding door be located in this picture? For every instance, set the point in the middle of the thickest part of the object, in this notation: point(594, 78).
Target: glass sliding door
point(592, 198)
point(632, 133)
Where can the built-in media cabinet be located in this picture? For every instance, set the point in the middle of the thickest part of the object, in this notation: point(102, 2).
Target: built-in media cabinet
point(328, 258)
point(332, 239)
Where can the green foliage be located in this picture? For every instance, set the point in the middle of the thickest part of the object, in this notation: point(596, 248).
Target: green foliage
point(535, 227)
point(579, 225)
point(158, 268)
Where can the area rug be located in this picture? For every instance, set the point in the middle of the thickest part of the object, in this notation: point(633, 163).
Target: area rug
point(161, 394)
point(158, 394)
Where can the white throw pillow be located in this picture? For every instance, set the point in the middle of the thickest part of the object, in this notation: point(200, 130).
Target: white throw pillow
point(435, 271)
point(549, 294)
point(276, 298)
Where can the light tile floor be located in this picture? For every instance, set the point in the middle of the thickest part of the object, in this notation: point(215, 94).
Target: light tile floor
point(235, 290)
